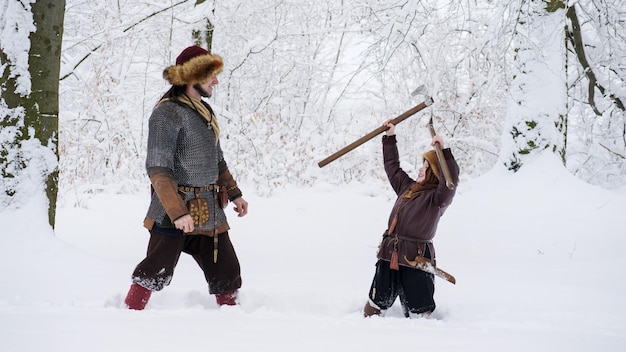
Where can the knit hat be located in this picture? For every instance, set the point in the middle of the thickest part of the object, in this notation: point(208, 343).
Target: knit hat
point(431, 157)
point(193, 65)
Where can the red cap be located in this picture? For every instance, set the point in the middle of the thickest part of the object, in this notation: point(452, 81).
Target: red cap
point(189, 53)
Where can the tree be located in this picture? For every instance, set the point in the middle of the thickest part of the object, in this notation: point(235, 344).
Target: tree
point(302, 79)
point(29, 107)
point(596, 43)
point(566, 91)
point(534, 123)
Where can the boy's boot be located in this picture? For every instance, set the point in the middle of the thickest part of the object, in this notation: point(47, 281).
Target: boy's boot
point(370, 310)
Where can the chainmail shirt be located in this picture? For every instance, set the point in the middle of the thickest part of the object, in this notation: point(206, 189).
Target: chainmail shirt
point(180, 140)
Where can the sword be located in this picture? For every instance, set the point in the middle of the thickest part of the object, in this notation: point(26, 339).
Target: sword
point(424, 264)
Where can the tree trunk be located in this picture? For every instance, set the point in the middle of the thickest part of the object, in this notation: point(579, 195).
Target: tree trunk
point(33, 113)
point(44, 66)
point(575, 36)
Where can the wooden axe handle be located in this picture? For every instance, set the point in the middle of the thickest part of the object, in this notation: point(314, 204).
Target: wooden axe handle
point(375, 132)
point(440, 157)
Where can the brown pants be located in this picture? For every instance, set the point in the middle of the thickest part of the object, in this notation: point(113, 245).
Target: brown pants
point(156, 270)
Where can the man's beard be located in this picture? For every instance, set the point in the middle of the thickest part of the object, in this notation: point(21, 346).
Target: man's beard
point(201, 91)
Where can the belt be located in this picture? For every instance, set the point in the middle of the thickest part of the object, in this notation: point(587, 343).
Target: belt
point(199, 189)
point(405, 238)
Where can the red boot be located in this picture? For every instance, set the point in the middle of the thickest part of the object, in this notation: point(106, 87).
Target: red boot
point(137, 297)
point(228, 298)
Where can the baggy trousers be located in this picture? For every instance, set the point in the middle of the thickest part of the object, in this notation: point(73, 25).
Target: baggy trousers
point(156, 270)
point(415, 288)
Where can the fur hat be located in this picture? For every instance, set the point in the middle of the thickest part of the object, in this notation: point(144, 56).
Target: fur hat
point(431, 157)
point(193, 65)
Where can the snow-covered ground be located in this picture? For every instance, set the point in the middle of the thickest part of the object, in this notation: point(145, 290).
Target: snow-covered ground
point(539, 259)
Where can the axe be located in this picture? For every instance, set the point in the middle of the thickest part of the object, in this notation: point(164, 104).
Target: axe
point(438, 151)
point(417, 108)
point(440, 157)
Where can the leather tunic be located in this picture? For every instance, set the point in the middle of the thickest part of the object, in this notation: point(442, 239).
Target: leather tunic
point(417, 219)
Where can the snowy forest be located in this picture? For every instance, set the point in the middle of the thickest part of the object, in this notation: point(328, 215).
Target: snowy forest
point(302, 78)
point(527, 94)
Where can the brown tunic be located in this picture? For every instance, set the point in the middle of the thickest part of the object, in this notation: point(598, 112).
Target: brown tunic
point(417, 219)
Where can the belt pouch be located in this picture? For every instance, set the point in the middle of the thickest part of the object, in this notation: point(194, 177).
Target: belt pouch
point(198, 209)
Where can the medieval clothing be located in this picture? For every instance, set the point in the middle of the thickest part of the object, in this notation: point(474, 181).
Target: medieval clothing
point(189, 177)
point(411, 228)
point(182, 147)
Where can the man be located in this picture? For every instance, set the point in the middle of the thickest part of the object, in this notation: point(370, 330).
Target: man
point(190, 185)
point(411, 227)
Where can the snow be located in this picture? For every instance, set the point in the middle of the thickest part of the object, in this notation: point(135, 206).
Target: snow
point(538, 257)
point(16, 25)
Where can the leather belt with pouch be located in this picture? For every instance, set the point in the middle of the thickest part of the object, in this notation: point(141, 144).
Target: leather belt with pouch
point(199, 207)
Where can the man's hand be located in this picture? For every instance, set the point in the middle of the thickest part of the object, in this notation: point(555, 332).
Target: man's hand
point(184, 223)
point(241, 207)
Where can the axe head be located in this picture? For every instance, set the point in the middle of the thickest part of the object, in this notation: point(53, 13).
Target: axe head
point(421, 90)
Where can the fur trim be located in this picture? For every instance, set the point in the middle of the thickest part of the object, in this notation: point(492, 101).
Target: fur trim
point(431, 157)
point(196, 70)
